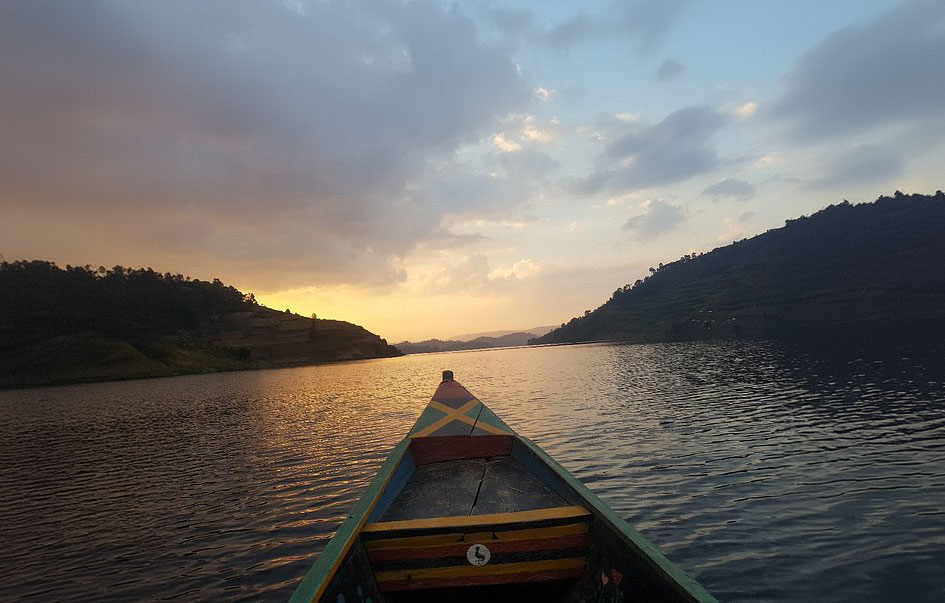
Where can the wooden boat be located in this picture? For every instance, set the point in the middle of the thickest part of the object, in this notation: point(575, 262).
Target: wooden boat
point(466, 509)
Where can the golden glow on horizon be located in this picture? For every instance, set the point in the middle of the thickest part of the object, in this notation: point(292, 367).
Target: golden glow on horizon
point(445, 293)
point(450, 292)
point(401, 315)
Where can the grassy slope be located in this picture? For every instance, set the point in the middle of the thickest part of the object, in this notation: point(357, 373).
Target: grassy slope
point(259, 338)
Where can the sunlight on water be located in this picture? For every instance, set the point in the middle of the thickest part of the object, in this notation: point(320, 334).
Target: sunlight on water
point(767, 472)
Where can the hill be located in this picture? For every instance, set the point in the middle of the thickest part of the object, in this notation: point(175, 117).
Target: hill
point(479, 343)
point(70, 324)
point(849, 269)
point(537, 331)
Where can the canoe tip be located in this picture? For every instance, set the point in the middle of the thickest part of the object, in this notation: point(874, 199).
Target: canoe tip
point(447, 375)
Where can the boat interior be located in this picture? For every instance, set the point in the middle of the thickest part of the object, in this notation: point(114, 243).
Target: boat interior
point(455, 498)
point(453, 476)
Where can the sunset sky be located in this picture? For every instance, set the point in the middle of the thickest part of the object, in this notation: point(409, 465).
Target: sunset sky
point(426, 169)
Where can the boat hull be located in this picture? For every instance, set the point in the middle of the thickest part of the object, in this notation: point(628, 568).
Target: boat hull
point(467, 508)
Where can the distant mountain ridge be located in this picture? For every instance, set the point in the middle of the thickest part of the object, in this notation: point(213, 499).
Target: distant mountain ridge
point(60, 325)
point(479, 343)
point(847, 269)
point(537, 331)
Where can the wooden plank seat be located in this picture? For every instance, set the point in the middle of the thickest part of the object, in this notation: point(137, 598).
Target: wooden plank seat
point(467, 550)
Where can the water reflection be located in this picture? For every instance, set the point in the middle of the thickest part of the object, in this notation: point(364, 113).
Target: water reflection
point(770, 472)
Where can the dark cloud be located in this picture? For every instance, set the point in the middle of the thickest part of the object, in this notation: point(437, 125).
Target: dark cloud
point(859, 165)
point(731, 187)
point(242, 130)
point(644, 22)
point(578, 28)
point(861, 78)
point(648, 20)
point(658, 218)
point(669, 69)
point(670, 151)
point(509, 21)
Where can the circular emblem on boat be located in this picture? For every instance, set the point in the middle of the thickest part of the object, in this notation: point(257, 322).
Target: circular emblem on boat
point(478, 554)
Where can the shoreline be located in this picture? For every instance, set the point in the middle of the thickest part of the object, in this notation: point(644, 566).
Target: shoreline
point(144, 376)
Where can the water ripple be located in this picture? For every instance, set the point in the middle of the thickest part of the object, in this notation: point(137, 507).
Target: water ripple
point(769, 472)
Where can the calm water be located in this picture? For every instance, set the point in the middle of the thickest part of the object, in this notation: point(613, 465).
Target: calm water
point(769, 473)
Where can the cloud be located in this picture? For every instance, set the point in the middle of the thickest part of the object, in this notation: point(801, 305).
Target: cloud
point(670, 151)
point(522, 269)
point(516, 222)
point(658, 217)
point(226, 126)
point(532, 130)
point(524, 129)
point(735, 229)
point(529, 164)
point(731, 187)
point(457, 189)
point(862, 164)
point(643, 22)
point(747, 110)
point(444, 240)
point(503, 143)
point(469, 274)
point(472, 274)
point(863, 78)
point(648, 20)
point(669, 69)
point(578, 28)
point(509, 21)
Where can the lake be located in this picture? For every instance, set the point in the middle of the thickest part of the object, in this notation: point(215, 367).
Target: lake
point(769, 472)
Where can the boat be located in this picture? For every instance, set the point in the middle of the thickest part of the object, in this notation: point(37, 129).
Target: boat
point(465, 509)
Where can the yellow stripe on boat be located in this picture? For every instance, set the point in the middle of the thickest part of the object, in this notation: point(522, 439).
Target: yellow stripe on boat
point(466, 571)
point(462, 521)
point(420, 542)
point(451, 414)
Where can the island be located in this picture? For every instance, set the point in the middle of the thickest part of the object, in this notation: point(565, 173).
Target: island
point(848, 270)
point(79, 323)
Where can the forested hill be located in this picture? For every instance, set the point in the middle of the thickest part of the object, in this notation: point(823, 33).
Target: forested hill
point(848, 269)
point(82, 324)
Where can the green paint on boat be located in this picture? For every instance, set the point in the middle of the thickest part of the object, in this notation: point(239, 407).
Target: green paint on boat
point(490, 418)
point(428, 417)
